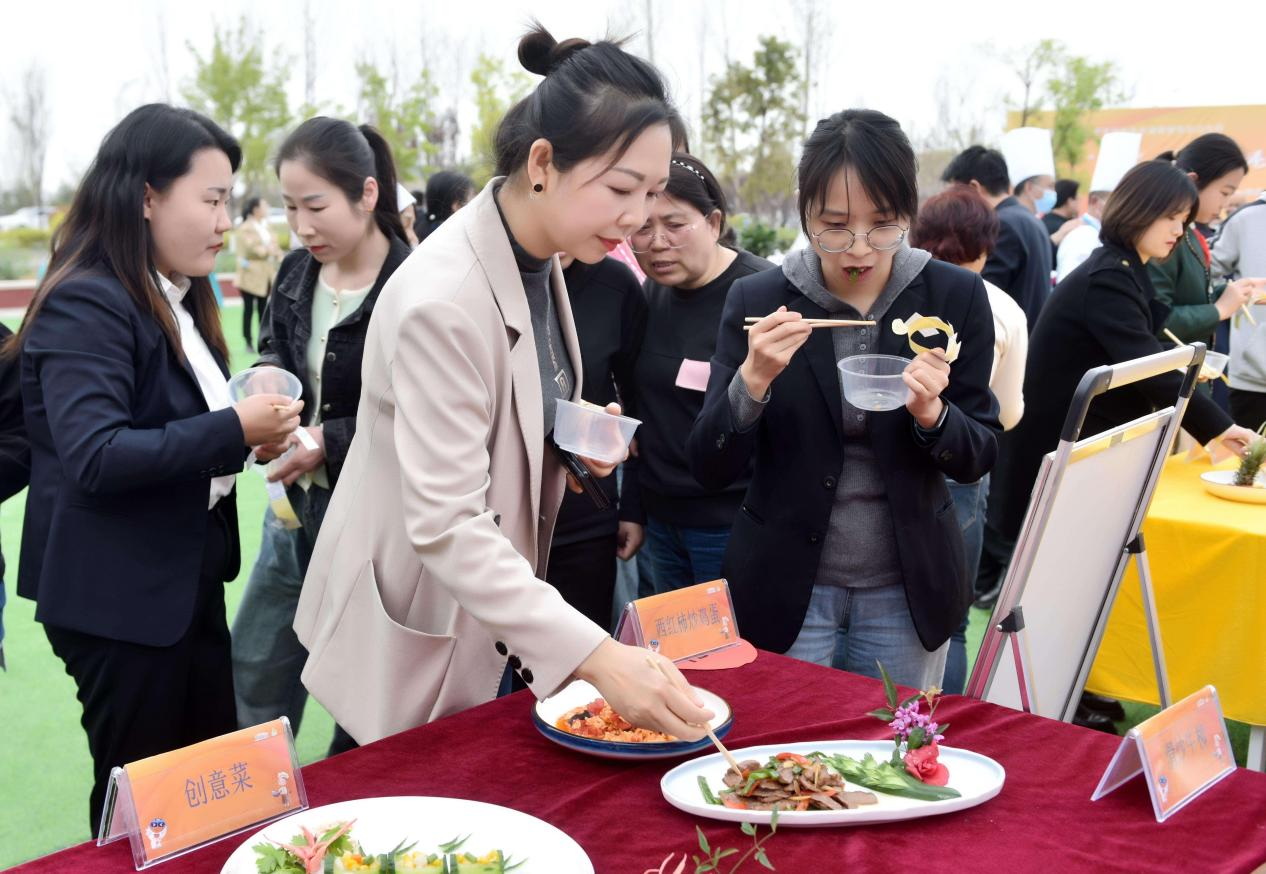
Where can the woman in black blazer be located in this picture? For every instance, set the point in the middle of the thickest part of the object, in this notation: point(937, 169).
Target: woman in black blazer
point(1106, 312)
point(846, 548)
point(130, 527)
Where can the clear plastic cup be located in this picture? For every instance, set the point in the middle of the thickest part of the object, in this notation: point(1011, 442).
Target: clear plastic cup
point(592, 432)
point(264, 380)
point(1214, 365)
point(873, 382)
point(270, 381)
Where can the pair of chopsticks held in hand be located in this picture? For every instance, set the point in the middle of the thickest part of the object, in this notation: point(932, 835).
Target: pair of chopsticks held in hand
point(729, 757)
point(815, 323)
point(1171, 335)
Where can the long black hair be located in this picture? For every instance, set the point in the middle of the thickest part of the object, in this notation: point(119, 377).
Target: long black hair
point(1151, 191)
point(594, 97)
point(443, 189)
point(105, 226)
point(1209, 156)
point(690, 180)
point(867, 143)
point(347, 155)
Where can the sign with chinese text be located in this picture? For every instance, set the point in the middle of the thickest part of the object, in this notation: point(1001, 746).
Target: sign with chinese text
point(684, 623)
point(175, 802)
point(1181, 751)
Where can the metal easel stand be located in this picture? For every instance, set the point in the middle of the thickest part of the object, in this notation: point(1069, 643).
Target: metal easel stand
point(1013, 627)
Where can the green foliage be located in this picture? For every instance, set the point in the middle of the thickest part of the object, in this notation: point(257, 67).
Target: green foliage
point(495, 92)
point(405, 117)
point(234, 85)
point(1078, 87)
point(760, 238)
point(712, 858)
point(752, 121)
point(26, 238)
point(1030, 64)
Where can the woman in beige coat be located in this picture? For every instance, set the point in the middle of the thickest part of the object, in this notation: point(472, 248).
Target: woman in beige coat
point(425, 590)
point(258, 258)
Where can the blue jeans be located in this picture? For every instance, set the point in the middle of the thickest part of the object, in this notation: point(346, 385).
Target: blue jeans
point(681, 557)
point(852, 629)
point(971, 500)
point(267, 656)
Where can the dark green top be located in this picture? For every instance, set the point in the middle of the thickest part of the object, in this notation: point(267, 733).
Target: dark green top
point(1182, 284)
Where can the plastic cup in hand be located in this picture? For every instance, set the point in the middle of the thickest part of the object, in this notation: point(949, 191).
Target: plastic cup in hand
point(1214, 365)
point(592, 432)
point(269, 381)
point(873, 382)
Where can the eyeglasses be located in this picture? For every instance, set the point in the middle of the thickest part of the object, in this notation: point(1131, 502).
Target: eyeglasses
point(882, 238)
point(643, 240)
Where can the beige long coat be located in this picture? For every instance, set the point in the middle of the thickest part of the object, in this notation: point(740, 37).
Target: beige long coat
point(436, 536)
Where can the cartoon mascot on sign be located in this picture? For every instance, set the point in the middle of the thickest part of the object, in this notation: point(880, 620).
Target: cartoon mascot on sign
point(156, 832)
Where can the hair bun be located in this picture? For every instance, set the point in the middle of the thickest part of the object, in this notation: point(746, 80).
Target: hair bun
point(541, 54)
point(1167, 156)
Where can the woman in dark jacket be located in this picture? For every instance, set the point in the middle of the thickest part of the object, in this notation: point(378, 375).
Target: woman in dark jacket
point(846, 549)
point(610, 313)
point(339, 187)
point(691, 259)
point(1106, 312)
point(131, 525)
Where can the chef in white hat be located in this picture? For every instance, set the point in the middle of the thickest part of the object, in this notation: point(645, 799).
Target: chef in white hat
point(1031, 164)
point(1118, 152)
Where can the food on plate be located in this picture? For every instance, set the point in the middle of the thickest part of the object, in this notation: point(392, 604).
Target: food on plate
point(336, 852)
point(1250, 468)
point(597, 721)
point(890, 776)
point(788, 781)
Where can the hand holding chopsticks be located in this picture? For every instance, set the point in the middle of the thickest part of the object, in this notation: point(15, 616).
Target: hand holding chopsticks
point(729, 757)
point(815, 323)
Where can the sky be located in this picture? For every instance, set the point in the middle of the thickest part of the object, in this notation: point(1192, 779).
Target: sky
point(103, 59)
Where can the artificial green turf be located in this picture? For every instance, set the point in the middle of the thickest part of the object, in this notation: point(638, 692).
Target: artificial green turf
point(45, 770)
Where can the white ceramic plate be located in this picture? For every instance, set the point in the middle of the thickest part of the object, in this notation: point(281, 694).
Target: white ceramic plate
point(381, 823)
point(1221, 483)
point(977, 777)
point(579, 693)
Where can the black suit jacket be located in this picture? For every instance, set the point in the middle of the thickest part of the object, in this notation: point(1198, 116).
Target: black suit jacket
point(15, 449)
point(1104, 312)
point(122, 454)
point(776, 543)
point(1020, 261)
point(283, 342)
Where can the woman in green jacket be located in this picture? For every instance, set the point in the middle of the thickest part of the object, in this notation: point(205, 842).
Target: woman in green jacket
point(1184, 281)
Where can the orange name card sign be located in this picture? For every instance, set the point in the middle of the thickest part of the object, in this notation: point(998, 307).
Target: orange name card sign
point(683, 623)
point(1181, 751)
point(175, 802)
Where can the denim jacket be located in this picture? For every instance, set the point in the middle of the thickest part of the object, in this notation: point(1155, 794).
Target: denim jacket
point(283, 342)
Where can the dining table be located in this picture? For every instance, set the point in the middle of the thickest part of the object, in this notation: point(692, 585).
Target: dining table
point(1042, 820)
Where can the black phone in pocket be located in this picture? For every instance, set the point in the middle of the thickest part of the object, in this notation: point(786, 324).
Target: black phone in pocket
point(572, 463)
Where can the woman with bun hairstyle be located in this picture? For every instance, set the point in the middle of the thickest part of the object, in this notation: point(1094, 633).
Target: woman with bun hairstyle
point(425, 590)
point(691, 258)
point(338, 184)
point(1184, 281)
point(131, 519)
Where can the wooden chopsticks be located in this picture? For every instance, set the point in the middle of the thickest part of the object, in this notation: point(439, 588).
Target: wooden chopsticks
point(729, 757)
point(1171, 335)
point(817, 323)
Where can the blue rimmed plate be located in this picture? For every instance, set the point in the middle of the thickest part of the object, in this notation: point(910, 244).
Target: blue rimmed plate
point(579, 693)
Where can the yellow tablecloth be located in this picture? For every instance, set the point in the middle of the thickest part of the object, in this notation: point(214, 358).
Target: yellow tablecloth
point(1208, 562)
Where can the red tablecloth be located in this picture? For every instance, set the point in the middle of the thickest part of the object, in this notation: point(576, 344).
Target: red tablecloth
point(1042, 821)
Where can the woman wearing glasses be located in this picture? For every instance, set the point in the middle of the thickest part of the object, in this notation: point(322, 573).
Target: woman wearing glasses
point(846, 550)
point(690, 259)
